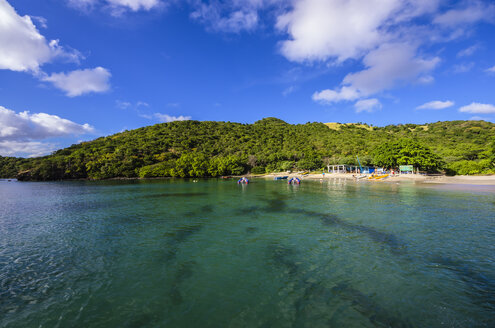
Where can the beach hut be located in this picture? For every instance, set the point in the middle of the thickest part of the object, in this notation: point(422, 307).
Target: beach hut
point(406, 169)
point(343, 168)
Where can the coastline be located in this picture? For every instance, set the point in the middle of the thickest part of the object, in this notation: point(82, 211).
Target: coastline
point(482, 180)
point(487, 180)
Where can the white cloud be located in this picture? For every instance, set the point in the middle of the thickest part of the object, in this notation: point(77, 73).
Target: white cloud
point(320, 30)
point(387, 66)
point(79, 82)
point(436, 104)
point(491, 69)
point(476, 11)
point(31, 148)
point(122, 104)
point(23, 48)
point(82, 3)
point(16, 126)
point(231, 17)
point(126, 104)
point(463, 68)
point(329, 96)
point(116, 6)
point(367, 105)
point(135, 5)
point(343, 29)
point(387, 36)
point(477, 108)
point(469, 51)
point(477, 118)
point(426, 79)
point(42, 21)
point(287, 91)
point(21, 132)
point(167, 118)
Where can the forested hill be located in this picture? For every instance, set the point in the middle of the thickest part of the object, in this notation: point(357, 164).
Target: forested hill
point(199, 149)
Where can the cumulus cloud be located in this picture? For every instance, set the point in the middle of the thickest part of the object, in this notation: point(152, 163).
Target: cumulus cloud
point(79, 82)
point(24, 125)
point(386, 36)
point(320, 30)
point(477, 108)
point(343, 29)
point(436, 104)
point(387, 66)
point(367, 105)
point(329, 96)
point(380, 33)
point(31, 148)
point(165, 118)
point(21, 132)
point(23, 47)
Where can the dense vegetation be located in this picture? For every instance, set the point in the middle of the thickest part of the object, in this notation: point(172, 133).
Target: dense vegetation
point(199, 149)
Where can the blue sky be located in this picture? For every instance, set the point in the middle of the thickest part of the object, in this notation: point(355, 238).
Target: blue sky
point(73, 70)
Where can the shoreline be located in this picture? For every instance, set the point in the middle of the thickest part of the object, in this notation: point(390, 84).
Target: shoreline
point(483, 180)
point(486, 180)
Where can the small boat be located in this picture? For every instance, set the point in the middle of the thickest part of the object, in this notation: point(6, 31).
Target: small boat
point(281, 178)
point(294, 181)
point(362, 176)
point(243, 180)
point(378, 177)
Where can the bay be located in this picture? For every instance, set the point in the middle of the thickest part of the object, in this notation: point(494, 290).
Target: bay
point(211, 253)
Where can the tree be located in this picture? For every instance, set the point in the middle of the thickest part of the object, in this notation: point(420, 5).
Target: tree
point(406, 152)
point(193, 148)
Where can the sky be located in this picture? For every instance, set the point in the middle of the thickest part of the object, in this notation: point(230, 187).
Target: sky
point(75, 70)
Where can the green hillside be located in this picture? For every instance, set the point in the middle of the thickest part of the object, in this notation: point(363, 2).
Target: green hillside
point(198, 149)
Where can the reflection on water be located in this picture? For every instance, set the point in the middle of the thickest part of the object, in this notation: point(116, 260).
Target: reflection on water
point(174, 253)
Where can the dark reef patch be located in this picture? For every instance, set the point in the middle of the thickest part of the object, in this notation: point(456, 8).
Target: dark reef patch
point(206, 209)
point(252, 229)
point(365, 305)
point(283, 257)
point(176, 237)
point(184, 271)
point(397, 247)
point(481, 287)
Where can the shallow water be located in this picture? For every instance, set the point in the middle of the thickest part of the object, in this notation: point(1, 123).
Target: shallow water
point(173, 253)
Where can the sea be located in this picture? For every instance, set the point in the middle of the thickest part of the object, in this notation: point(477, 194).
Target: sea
point(213, 253)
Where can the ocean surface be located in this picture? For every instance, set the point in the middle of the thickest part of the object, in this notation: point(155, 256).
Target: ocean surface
point(179, 253)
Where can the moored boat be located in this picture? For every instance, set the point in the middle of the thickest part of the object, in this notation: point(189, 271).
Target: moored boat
point(378, 177)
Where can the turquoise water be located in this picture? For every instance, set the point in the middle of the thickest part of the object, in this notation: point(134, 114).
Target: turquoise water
point(174, 253)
